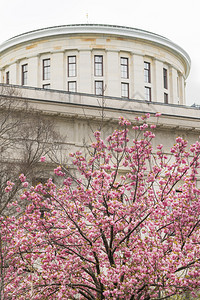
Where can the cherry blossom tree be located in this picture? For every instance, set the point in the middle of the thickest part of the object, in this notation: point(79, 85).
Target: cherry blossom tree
point(126, 226)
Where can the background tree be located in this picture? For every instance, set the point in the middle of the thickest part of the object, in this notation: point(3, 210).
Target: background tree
point(25, 136)
point(127, 227)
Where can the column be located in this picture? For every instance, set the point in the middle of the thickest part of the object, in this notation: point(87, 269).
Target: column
point(112, 76)
point(85, 72)
point(57, 71)
point(158, 92)
point(15, 77)
point(138, 77)
point(173, 88)
point(33, 68)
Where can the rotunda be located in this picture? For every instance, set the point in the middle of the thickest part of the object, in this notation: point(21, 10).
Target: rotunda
point(97, 59)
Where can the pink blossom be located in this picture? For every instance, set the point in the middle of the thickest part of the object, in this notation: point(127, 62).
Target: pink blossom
point(8, 189)
point(159, 146)
point(147, 115)
point(121, 226)
point(42, 158)
point(25, 184)
point(9, 186)
point(158, 114)
point(22, 177)
point(58, 171)
point(153, 126)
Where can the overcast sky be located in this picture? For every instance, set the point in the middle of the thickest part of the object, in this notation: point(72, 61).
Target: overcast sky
point(178, 20)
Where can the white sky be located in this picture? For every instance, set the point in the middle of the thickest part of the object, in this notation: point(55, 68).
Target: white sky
point(178, 20)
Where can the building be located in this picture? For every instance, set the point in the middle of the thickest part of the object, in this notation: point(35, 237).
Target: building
point(97, 59)
point(84, 77)
point(80, 75)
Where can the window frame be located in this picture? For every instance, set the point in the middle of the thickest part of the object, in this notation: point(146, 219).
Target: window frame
point(68, 84)
point(166, 98)
point(124, 67)
point(7, 77)
point(147, 72)
point(46, 86)
point(148, 95)
point(71, 66)
point(123, 95)
point(178, 87)
point(46, 69)
point(24, 78)
point(97, 88)
point(165, 78)
point(98, 66)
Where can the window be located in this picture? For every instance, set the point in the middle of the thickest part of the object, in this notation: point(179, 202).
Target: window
point(178, 87)
point(46, 86)
point(124, 67)
point(72, 86)
point(24, 74)
point(165, 98)
point(165, 78)
point(147, 72)
point(147, 93)
point(7, 77)
point(46, 69)
point(99, 88)
point(98, 65)
point(125, 90)
point(71, 66)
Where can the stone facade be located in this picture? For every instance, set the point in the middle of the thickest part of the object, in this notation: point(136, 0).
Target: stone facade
point(41, 66)
point(77, 115)
point(97, 59)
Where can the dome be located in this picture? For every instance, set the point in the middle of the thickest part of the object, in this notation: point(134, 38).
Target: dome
point(97, 59)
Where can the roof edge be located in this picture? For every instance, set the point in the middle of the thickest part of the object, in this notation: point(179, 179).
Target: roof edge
point(98, 29)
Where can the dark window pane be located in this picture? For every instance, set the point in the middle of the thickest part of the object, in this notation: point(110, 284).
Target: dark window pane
point(46, 69)
point(165, 98)
point(99, 88)
point(147, 72)
point(147, 93)
point(7, 77)
point(165, 78)
point(71, 66)
point(125, 90)
point(98, 65)
point(72, 86)
point(46, 86)
point(24, 74)
point(124, 67)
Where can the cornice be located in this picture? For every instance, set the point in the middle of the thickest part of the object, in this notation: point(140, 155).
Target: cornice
point(120, 31)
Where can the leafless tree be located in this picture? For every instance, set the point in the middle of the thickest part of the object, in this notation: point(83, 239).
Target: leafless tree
point(25, 136)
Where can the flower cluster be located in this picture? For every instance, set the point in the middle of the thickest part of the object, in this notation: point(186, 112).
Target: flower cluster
point(126, 227)
point(9, 186)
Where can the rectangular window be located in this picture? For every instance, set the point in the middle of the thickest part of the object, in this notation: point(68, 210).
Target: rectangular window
point(147, 72)
point(125, 90)
point(165, 78)
point(24, 74)
point(147, 93)
point(98, 65)
point(124, 67)
point(46, 86)
point(72, 86)
point(7, 77)
point(99, 88)
point(71, 66)
point(178, 87)
point(46, 69)
point(165, 98)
